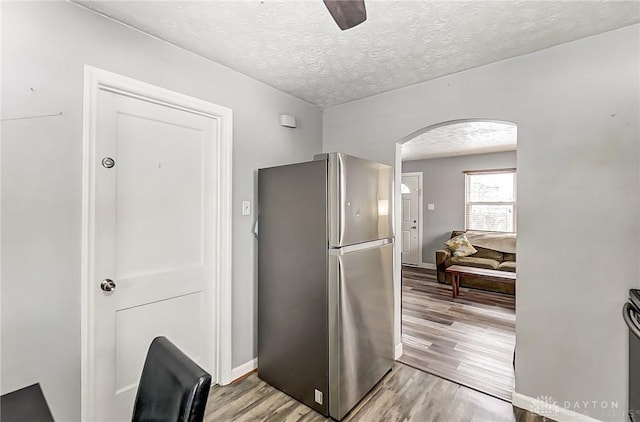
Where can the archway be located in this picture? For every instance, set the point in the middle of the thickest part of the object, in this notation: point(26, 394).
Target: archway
point(456, 152)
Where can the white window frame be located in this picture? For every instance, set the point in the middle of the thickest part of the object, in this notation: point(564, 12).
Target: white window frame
point(468, 204)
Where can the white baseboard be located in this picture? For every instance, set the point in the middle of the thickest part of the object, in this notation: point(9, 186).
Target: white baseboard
point(244, 369)
point(546, 406)
point(425, 265)
point(398, 351)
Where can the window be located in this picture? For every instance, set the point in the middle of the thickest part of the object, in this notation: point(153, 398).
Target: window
point(490, 203)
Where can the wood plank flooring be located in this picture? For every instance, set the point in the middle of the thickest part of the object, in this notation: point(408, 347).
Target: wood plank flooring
point(468, 340)
point(404, 394)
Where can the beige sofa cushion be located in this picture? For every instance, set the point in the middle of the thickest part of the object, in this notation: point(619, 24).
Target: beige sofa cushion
point(488, 253)
point(508, 266)
point(498, 241)
point(472, 261)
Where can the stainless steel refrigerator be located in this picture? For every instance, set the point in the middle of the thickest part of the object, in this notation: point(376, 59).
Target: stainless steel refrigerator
point(325, 279)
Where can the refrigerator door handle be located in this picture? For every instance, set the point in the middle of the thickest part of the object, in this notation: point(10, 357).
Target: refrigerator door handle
point(627, 311)
point(360, 246)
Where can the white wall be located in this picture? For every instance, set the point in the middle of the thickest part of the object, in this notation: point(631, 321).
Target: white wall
point(443, 186)
point(577, 108)
point(44, 48)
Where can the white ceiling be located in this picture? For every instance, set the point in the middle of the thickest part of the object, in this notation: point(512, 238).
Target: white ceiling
point(462, 138)
point(296, 47)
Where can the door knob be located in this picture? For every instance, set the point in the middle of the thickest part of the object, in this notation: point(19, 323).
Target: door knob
point(108, 285)
point(414, 227)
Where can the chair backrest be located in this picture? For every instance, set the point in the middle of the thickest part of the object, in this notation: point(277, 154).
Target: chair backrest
point(25, 405)
point(172, 387)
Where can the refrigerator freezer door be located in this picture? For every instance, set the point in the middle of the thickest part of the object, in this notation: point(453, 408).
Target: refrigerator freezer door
point(360, 200)
point(361, 348)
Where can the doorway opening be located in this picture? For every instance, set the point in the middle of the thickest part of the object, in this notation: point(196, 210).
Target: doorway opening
point(458, 252)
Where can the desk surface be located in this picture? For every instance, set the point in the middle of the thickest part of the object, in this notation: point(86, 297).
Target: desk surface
point(25, 405)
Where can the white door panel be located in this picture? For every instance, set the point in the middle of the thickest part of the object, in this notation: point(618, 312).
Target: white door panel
point(154, 238)
point(160, 183)
point(411, 220)
point(136, 327)
point(406, 241)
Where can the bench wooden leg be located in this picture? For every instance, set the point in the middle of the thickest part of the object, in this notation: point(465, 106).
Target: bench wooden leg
point(454, 285)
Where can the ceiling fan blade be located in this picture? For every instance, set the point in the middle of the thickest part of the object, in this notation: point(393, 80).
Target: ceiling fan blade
point(347, 13)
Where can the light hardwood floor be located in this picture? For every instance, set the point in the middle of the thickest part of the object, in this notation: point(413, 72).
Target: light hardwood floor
point(405, 394)
point(468, 340)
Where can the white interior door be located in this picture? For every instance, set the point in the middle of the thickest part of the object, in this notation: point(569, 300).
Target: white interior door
point(154, 238)
point(410, 219)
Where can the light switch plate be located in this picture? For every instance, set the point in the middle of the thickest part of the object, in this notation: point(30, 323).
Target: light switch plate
point(246, 207)
point(431, 207)
point(318, 396)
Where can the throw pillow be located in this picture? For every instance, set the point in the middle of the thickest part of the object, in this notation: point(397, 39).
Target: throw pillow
point(460, 246)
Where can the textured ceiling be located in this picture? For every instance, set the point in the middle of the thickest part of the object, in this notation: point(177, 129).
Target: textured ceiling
point(463, 138)
point(296, 47)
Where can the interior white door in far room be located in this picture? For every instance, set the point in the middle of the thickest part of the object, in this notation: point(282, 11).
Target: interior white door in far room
point(153, 237)
point(410, 191)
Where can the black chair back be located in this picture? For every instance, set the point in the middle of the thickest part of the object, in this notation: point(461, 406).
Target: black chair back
point(25, 405)
point(172, 387)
